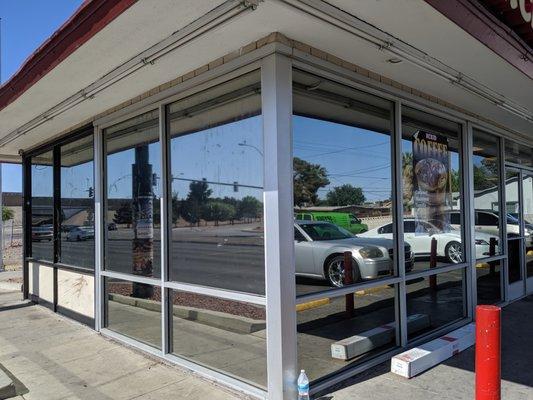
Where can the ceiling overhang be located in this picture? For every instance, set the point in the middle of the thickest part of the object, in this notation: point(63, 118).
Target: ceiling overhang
point(112, 67)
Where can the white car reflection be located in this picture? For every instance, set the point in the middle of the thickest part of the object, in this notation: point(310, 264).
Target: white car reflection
point(448, 243)
point(320, 247)
point(80, 233)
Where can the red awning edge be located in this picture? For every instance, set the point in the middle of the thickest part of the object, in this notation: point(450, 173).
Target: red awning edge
point(90, 18)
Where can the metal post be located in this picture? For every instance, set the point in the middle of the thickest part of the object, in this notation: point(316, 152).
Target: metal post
point(397, 213)
point(488, 351)
point(433, 264)
point(166, 231)
point(348, 280)
point(100, 229)
point(276, 96)
point(468, 218)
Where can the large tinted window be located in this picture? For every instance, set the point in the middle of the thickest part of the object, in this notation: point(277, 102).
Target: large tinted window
point(133, 180)
point(432, 188)
point(42, 207)
point(216, 152)
point(342, 177)
point(77, 203)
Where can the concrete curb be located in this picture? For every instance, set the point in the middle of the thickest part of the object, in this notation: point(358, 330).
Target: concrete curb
point(7, 387)
point(216, 319)
point(10, 286)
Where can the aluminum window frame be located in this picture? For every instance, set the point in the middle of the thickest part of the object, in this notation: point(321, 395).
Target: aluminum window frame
point(160, 103)
point(402, 278)
point(293, 58)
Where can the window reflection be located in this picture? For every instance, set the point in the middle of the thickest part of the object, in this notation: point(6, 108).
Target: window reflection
point(77, 203)
point(489, 282)
point(133, 196)
point(341, 182)
point(332, 338)
point(131, 313)
point(486, 162)
point(216, 152)
point(42, 207)
point(432, 189)
point(226, 335)
point(440, 297)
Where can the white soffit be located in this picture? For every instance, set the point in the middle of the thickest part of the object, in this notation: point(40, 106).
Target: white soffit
point(124, 38)
point(423, 27)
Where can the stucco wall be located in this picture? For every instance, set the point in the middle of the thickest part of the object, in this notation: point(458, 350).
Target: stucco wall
point(41, 281)
point(75, 292)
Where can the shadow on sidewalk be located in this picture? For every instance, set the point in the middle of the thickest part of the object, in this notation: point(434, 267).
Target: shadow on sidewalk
point(517, 345)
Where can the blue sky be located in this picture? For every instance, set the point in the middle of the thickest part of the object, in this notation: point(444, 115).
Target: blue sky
point(26, 24)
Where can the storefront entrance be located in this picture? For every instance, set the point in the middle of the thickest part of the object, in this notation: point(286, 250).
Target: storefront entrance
point(519, 210)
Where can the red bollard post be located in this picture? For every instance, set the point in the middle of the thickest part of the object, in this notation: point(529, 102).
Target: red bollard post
point(348, 280)
point(433, 264)
point(488, 350)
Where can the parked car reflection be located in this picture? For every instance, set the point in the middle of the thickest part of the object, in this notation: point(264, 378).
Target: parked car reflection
point(420, 234)
point(320, 247)
point(80, 233)
point(42, 232)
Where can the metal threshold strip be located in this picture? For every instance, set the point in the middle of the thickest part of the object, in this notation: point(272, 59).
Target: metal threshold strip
point(217, 17)
point(387, 43)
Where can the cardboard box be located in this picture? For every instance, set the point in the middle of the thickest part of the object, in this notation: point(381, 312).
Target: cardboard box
point(419, 359)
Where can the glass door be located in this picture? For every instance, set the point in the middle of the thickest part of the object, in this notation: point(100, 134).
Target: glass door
point(527, 195)
point(515, 233)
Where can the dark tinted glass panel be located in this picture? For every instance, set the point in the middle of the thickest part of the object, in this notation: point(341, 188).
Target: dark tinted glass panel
point(225, 335)
point(518, 154)
point(133, 178)
point(332, 337)
point(514, 260)
point(342, 183)
point(216, 152)
point(432, 188)
point(489, 282)
point(134, 310)
point(77, 203)
point(42, 207)
point(440, 298)
point(486, 160)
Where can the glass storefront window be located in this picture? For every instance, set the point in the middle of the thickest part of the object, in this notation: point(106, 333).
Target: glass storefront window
point(133, 178)
point(332, 337)
point(342, 183)
point(134, 310)
point(216, 152)
point(512, 203)
point(489, 282)
point(487, 196)
point(431, 175)
point(225, 335)
point(77, 203)
point(42, 207)
point(439, 297)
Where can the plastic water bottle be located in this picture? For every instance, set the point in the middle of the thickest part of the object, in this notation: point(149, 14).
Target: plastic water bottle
point(303, 386)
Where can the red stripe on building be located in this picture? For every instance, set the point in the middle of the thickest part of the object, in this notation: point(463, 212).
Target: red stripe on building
point(90, 18)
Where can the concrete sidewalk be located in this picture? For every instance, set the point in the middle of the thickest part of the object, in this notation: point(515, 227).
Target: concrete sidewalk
point(56, 358)
point(454, 379)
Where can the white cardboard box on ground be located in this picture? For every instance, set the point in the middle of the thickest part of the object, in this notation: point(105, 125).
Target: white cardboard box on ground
point(413, 362)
